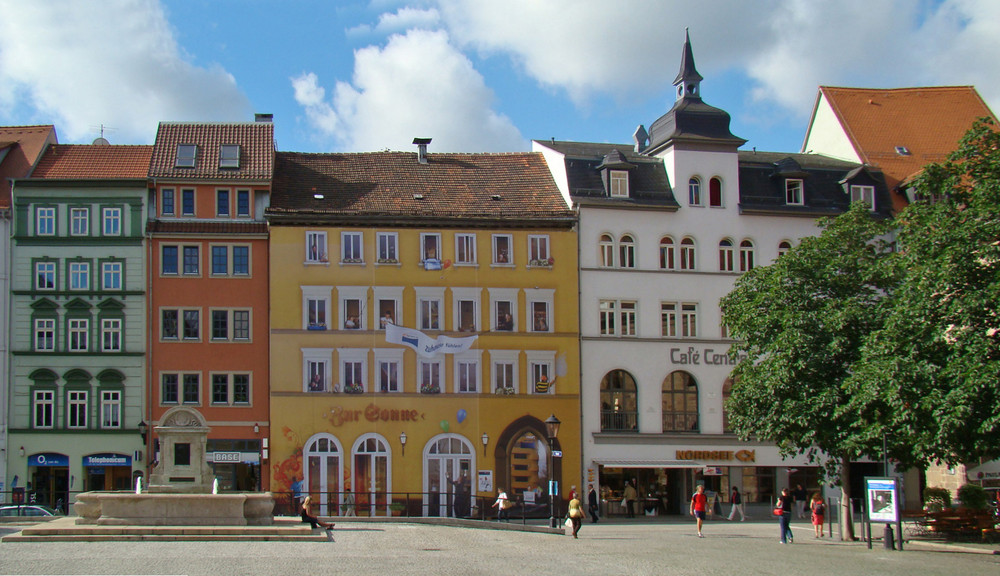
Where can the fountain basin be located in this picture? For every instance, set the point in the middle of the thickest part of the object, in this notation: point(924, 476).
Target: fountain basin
point(130, 509)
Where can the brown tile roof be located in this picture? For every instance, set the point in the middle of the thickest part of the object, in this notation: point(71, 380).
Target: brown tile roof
point(205, 227)
point(255, 139)
point(20, 147)
point(928, 122)
point(513, 187)
point(94, 162)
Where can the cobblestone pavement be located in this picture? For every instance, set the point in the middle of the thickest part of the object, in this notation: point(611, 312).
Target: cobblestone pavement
point(662, 548)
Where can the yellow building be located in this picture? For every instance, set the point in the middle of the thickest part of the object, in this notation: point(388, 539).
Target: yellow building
point(478, 248)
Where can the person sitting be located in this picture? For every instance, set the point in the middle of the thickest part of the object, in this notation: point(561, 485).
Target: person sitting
point(310, 518)
point(316, 383)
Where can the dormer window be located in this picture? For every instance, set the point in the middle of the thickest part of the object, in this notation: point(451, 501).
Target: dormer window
point(186, 154)
point(619, 184)
point(793, 192)
point(864, 194)
point(229, 156)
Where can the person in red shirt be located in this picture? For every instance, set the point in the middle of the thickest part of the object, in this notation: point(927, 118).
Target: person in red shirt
point(699, 504)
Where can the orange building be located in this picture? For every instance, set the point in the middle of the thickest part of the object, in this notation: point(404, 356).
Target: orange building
point(208, 288)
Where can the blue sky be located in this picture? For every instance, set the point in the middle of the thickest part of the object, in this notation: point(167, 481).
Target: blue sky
point(473, 75)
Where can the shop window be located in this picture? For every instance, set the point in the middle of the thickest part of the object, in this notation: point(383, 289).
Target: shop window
point(619, 402)
point(680, 403)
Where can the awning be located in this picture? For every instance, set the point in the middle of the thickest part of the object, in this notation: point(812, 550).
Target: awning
point(634, 463)
point(985, 471)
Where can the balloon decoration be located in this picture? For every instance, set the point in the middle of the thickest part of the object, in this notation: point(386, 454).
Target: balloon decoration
point(445, 426)
point(447, 264)
point(461, 415)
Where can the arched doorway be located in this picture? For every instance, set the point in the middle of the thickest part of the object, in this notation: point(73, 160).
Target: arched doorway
point(372, 473)
point(522, 465)
point(449, 460)
point(324, 468)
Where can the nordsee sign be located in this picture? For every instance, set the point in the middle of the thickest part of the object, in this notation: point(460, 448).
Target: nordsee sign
point(707, 356)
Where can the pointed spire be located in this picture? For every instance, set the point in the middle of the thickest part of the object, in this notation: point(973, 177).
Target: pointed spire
point(688, 79)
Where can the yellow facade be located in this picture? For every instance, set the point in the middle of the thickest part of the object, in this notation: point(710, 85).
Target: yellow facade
point(328, 442)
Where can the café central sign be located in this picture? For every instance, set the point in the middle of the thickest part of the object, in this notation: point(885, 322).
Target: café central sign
point(718, 455)
point(372, 413)
point(707, 356)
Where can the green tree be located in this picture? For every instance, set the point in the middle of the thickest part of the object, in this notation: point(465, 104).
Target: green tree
point(934, 367)
point(800, 326)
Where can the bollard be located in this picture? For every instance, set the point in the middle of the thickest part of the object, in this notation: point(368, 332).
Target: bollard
point(888, 541)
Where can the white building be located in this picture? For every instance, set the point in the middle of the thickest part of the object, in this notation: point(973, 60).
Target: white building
point(667, 225)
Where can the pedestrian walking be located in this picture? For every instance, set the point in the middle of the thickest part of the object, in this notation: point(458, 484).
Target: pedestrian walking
point(593, 503)
point(801, 501)
point(818, 509)
point(630, 497)
point(502, 504)
point(737, 504)
point(576, 514)
point(699, 504)
point(783, 509)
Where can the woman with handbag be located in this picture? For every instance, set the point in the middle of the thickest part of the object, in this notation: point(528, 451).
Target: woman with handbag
point(575, 514)
point(783, 510)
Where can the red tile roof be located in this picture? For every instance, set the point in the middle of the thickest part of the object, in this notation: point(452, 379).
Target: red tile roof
point(94, 162)
point(205, 227)
point(495, 187)
point(20, 147)
point(928, 122)
point(255, 139)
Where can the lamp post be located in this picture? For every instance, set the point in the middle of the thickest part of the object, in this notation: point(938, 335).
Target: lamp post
point(402, 442)
point(486, 440)
point(552, 431)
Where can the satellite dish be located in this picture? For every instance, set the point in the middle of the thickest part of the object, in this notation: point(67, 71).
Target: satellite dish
point(101, 142)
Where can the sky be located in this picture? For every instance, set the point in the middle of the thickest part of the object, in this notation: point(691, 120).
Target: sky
point(473, 75)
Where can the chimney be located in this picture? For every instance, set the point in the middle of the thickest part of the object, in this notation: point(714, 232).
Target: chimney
point(422, 149)
point(263, 118)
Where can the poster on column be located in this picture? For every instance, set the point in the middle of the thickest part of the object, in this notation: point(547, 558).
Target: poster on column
point(485, 480)
point(880, 499)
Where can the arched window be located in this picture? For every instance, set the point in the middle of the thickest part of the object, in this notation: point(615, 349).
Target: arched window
point(727, 391)
point(726, 255)
point(626, 252)
point(746, 256)
point(372, 474)
point(783, 247)
point(687, 254)
point(667, 253)
point(680, 403)
point(619, 403)
point(715, 192)
point(323, 471)
point(694, 192)
point(607, 246)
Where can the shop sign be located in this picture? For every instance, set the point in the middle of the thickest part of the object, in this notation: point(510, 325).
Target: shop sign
point(707, 356)
point(723, 455)
point(48, 459)
point(226, 457)
point(712, 471)
point(340, 415)
point(95, 460)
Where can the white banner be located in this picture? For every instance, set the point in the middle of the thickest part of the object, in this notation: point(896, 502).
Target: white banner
point(425, 345)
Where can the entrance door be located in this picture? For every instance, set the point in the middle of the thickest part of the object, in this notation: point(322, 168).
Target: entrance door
point(51, 486)
point(448, 469)
point(371, 474)
point(323, 472)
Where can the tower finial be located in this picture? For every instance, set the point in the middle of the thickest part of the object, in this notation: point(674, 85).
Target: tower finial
point(688, 80)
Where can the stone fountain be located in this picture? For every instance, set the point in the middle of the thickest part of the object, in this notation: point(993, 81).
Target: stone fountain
point(180, 487)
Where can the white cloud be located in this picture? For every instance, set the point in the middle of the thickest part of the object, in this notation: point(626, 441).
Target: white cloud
point(407, 19)
point(114, 62)
point(418, 85)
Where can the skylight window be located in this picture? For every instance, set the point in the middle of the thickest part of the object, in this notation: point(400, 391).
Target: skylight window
point(902, 150)
point(229, 156)
point(186, 155)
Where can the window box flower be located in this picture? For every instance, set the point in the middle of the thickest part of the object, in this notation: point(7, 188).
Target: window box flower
point(430, 389)
point(388, 261)
point(353, 388)
point(317, 327)
point(505, 391)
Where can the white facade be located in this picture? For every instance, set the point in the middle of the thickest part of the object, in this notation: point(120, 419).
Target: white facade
point(826, 135)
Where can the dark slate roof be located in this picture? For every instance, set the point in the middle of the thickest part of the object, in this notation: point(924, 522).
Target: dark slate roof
point(255, 139)
point(202, 227)
point(648, 182)
point(465, 189)
point(691, 120)
point(763, 175)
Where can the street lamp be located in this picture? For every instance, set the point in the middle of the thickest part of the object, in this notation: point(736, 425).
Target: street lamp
point(143, 428)
point(486, 440)
point(552, 431)
point(402, 442)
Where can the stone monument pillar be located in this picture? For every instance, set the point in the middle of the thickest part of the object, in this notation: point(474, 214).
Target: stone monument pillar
point(182, 466)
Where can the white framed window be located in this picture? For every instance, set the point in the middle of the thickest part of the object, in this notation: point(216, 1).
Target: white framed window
point(389, 304)
point(316, 370)
point(429, 374)
point(76, 409)
point(619, 184)
point(606, 245)
point(541, 371)
point(316, 251)
point(607, 310)
point(727, 255)
point(389, 370)
point(465, 249)
point(78, 334)
point(468, 371)
point(111, 275)
point(79, 221)
point(316, 307)
point(45, 334)
point(689, 320)
point(627, 316)
point(784, 247)
point(44, 404)
point(793, 192)
point(465, 312)
point(111, 335)
point(111, 409)
point(229, 156)
point(45, 221)
point(45, 275)
point(504, 371)
point(668, 319)
point(539, 301)
point(503, 250)
point(430, 248)
point(687, 254)
point(626, 251)
point(79, 275)
point(503, 309)
point(351, 248)
point(353, 377)
point(538, 251)
point(430, 307)
point(353, 309)
point(618, 318)
point(112, 221)
point(186, 155)
point(694, 192)
point(667, 253)
point(747, 256)
point(388, 247)
point(864, 194)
